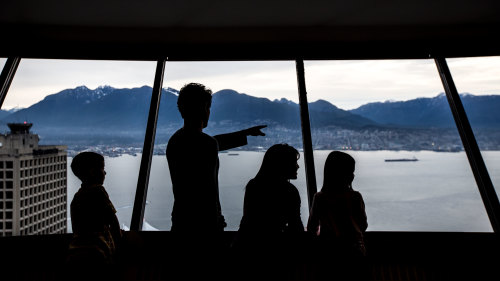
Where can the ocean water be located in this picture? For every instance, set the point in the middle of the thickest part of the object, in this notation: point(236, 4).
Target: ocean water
point(436, 193)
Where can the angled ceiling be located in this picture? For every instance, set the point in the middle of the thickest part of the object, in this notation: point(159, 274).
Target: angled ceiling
point(253, 29)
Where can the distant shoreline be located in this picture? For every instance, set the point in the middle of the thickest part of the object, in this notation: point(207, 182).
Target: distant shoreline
point(72, 153)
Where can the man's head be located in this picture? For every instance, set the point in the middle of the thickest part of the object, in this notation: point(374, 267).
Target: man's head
point(89, 167)
point(194, 103)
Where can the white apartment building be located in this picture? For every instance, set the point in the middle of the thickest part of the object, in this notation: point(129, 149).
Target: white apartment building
point(33, 184)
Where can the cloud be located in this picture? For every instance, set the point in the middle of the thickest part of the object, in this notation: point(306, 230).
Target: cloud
point(480, 75)
point(347, 84)
point(36, 78)
point(270, 79)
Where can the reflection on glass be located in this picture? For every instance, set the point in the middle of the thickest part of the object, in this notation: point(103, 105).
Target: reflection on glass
point(245, 94)
point(73, 106)
point(478, 82)
point(2, 62)
point(393, 118)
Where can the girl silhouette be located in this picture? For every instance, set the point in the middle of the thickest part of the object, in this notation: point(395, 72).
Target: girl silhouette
point(338, 217)
point(271, 208)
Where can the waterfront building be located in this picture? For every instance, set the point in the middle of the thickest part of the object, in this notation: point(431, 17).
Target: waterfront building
point(32, 184)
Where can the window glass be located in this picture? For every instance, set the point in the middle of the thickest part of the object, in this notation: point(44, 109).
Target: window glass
point(245, 94)
point(3, 112)
point(393, 118)
point(75, 106)
point(478, 82)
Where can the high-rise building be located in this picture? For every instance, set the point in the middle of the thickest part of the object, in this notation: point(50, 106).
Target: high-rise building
point(32, 184)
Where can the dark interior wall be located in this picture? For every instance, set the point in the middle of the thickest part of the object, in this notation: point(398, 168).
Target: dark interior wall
point(249, 13)
point(249, 30)
point(271, 43)
point(154, 256)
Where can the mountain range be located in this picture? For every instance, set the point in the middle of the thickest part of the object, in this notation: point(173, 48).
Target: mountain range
point(482, 111)
point(108, 109)
point(121, 114)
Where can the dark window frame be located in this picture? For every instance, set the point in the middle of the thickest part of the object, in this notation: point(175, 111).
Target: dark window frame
point(483, 180)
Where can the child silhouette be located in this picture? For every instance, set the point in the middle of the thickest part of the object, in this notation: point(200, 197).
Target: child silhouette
point(96, 230)
point(338, 217)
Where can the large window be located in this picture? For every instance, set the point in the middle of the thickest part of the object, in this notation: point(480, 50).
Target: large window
point(478, 82)
point(394, 119)
point(245, 94)
point(74, 106)
point(390, 115)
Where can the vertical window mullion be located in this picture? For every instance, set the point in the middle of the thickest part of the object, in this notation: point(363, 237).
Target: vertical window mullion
point(483, 180)
point(306, 132)
point(147, 152)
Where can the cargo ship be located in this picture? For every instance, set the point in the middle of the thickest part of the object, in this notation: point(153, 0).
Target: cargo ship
point(402, 160)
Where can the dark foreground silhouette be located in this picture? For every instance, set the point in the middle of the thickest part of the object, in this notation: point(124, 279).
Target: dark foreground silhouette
point(271, 227)
point(194, 164)
point(339, 221)
point(93, 248)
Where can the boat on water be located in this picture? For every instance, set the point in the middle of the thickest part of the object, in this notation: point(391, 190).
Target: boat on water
point(402, 160)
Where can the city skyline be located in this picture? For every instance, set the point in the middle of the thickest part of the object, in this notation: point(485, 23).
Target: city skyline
point(346, 84)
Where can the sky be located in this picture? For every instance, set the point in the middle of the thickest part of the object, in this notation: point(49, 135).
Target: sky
point(346, 84)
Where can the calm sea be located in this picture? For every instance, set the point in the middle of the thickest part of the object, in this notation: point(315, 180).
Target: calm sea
point(435, 193)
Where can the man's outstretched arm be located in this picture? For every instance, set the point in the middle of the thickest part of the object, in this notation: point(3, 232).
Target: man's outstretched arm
point(255, 131)
point(239, 138)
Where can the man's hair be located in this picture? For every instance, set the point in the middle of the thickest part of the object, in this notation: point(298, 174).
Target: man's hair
point(193, 98)
point(84, 162)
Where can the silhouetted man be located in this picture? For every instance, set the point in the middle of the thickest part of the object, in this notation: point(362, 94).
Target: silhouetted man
point(193, 161)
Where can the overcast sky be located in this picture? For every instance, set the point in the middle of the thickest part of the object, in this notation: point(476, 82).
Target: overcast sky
point(347, 84)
